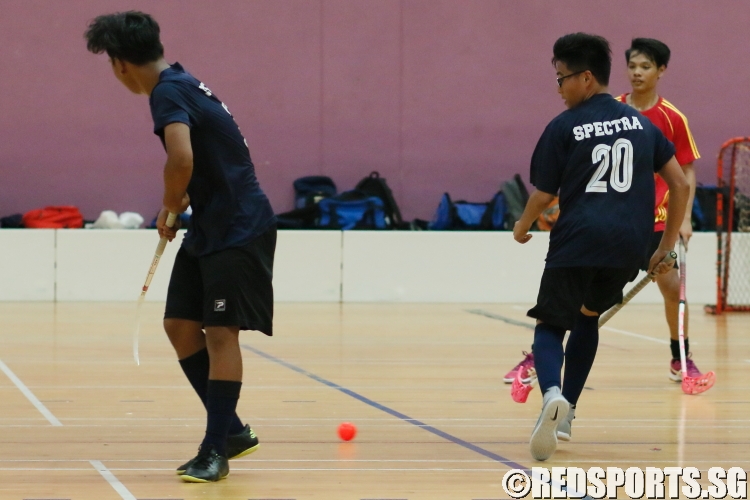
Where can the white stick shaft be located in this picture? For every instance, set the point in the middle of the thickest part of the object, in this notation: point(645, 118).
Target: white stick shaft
point(154, 263)
point(681, 309)
point(157, 255)
point(137, 330)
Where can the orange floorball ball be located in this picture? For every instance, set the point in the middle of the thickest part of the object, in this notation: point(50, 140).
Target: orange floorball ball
point(347, 431)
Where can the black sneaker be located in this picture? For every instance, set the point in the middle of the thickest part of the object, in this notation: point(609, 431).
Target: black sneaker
point(238, 445)
point(244, 443)
point(208, 466)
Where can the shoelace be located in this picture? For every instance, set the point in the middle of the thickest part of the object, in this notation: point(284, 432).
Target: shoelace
point(529, 358)
point(204, 457)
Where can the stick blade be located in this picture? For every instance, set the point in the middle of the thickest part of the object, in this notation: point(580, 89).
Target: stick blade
point(520, 391)
point(136, 334)
point(697, 385)
point(137, 329)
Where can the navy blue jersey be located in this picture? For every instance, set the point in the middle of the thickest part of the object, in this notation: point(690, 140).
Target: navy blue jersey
point(229, 207)
point(601, 156)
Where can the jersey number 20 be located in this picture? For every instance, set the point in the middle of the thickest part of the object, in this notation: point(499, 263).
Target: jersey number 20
point(622, 167)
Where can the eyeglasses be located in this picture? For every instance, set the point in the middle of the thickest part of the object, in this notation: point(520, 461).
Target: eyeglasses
point(560, 79)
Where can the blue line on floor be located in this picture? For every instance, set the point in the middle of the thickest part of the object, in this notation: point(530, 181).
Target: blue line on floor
point(510, 321)
point(390, 411)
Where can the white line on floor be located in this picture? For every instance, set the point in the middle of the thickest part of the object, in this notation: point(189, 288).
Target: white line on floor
point(112, 480)
point(638, 335)
point(30, 395)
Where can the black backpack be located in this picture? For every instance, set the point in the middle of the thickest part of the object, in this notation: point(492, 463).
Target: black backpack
point(374, 185)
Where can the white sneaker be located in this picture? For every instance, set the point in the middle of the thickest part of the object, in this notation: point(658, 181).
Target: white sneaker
point(564, 427)
point(544, 438)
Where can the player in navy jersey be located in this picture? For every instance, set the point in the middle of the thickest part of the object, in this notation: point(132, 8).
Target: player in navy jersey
point(600, 155)
point(221, 279)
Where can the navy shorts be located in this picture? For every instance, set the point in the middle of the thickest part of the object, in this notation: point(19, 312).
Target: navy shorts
point(565, 289)
point(227, 288)
point(655, 240)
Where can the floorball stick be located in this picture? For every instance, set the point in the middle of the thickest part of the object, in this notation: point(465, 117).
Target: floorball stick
point(157, 256)
point(668, 259)
point(519, 391)
point(690, 385)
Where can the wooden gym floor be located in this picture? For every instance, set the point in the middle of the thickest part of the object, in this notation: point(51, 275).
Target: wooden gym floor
point(423, 384)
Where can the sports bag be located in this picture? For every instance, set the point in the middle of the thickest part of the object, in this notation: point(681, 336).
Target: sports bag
point(351, 210)
point(53, 218)
point(311, 189)
point(516, 196)
point(464, 215)
point(374, 185)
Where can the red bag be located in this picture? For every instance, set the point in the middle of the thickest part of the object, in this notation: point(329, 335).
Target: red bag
point(53, 218)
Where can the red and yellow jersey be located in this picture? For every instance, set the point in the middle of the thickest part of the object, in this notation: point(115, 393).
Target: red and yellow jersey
point(674, 125)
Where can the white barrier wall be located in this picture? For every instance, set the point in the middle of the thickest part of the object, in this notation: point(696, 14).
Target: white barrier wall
point(311, 266)
point(307, 266)
point(111, 264)
point(27, 264)
point(441, 267)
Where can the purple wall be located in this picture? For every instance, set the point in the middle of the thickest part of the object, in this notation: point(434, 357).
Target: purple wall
point(438, 95)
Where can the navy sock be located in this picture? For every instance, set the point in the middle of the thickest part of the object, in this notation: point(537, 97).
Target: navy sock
point(548, 354)
point(221, 402)
point(580, 352)
point(674, 346)
point(196, 370)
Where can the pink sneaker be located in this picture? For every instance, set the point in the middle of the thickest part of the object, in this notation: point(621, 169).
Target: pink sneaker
point(523, 367)
point(675, 369)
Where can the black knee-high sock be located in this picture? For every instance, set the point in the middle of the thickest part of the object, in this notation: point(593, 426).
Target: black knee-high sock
point(548, 354)
point(196, 370)
point(674, 346)
point(580, 352)
point(221, 402)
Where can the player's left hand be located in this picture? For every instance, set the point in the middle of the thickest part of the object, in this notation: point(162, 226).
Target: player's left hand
point(686, 231)
point(521, 233)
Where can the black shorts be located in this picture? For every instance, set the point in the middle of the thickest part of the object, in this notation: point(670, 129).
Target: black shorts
point(655, 240)
point(565, 289)
point(227, 288)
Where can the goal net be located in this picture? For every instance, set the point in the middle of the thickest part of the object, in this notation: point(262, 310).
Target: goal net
point(733, 227)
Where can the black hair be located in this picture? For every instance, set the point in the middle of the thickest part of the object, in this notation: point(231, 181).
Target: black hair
point(581, 52)
point(656, 51)
point(129, 36)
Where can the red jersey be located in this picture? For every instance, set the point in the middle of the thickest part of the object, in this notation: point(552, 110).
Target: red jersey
point(674, 125)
